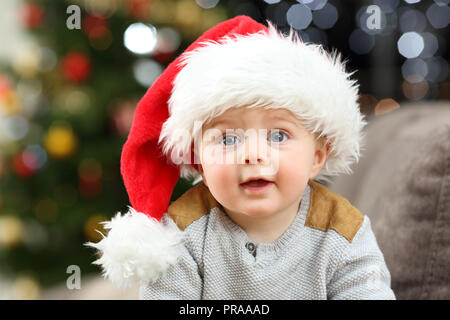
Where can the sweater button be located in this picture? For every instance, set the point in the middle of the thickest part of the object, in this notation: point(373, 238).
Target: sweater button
point(250, 247)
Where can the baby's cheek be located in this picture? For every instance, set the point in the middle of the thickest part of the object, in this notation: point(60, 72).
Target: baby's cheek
point(293, 170)
point(220, 184)
point(219, 177)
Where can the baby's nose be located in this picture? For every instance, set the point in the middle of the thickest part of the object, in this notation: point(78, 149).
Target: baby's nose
point(256, 150)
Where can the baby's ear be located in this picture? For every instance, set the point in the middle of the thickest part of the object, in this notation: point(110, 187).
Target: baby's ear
point(321, 153)
point(197, 166)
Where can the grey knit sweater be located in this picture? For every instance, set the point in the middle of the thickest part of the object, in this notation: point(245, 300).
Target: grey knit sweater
point(219, 261)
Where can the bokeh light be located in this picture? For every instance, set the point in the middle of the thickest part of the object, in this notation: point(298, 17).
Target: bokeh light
point(315, 4)
point(361, 42)
point(46, 210)
point(11, 231)
point(316, 35)
point(438, 69)
point(431, 45)
point(415, 89)
point(414, 67)
point(387, 6)
point(438, 15)
point(327, 17)
point(278, 13)
point(34, 157)
point(140, 38)
point(168, 40)
point(385, 106)
point(299, 16)
point(14, 127)
point(410, 45)
point(48, 60)
point(207, 4)
point(146, 71)
point(412, 20)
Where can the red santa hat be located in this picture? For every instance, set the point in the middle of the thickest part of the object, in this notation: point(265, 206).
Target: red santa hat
point(238, 62)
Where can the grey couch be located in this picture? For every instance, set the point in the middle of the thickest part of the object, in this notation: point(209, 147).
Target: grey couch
point(402, 183)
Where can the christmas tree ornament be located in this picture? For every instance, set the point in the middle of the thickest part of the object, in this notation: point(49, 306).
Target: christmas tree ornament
point(11, 231)
point(90, 178)
point(60, 141)
point(105, 8)
point(24, 164)
point(26, 63)
point(48, 59)
point(76, 67)
point(31, 15)
point(25, 287)
point(138, 9)
point(74, 100)
point(46, 209)
point(122, 116)
point(9, 99)
point(93, 227)
point(95, 26)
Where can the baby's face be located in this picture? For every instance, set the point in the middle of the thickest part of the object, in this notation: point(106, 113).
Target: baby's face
point(247, 143)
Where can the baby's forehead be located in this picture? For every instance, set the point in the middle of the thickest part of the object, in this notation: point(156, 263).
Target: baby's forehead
point(242, 115)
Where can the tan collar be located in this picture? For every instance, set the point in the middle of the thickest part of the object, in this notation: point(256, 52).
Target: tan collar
point(327, 210)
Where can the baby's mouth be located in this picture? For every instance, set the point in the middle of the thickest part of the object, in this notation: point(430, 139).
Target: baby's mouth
point(256, 183)
point(257, 186)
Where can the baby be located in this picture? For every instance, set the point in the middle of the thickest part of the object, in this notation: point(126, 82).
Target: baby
point(258, 118)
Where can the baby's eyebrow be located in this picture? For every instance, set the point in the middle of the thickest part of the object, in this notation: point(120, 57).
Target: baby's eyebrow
point(233, 122)
point(220, 122)
point(284, 119)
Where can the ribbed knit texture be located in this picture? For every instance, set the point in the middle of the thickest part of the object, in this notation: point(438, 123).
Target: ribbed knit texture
point(303, 263)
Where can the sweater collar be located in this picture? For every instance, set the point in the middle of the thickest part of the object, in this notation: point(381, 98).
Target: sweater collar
point(263, 248)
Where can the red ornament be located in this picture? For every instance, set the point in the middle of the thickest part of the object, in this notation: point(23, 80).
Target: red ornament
point(31, 15)
point(90, 179)
point(139, 9)
point(122, 117)
point(76, 67)
point(23, 164)
point(95, 26)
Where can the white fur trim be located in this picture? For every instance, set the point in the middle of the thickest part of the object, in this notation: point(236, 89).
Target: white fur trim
point(137, 248)
point(266, 69)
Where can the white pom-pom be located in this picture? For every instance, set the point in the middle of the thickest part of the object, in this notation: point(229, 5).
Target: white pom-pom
point(138, 248)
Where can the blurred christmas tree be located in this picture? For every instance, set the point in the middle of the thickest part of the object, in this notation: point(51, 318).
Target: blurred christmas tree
point(66, 106)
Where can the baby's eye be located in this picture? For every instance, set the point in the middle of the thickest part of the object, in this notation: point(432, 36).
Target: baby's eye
point(277, 136)
point(228, 140)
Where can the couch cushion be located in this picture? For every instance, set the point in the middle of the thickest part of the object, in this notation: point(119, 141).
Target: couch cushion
point(403, 184)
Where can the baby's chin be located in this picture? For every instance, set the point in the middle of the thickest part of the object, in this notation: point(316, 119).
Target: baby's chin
point(255, 211)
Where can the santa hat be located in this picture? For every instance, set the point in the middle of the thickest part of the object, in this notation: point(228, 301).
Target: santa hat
point(238, 62)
